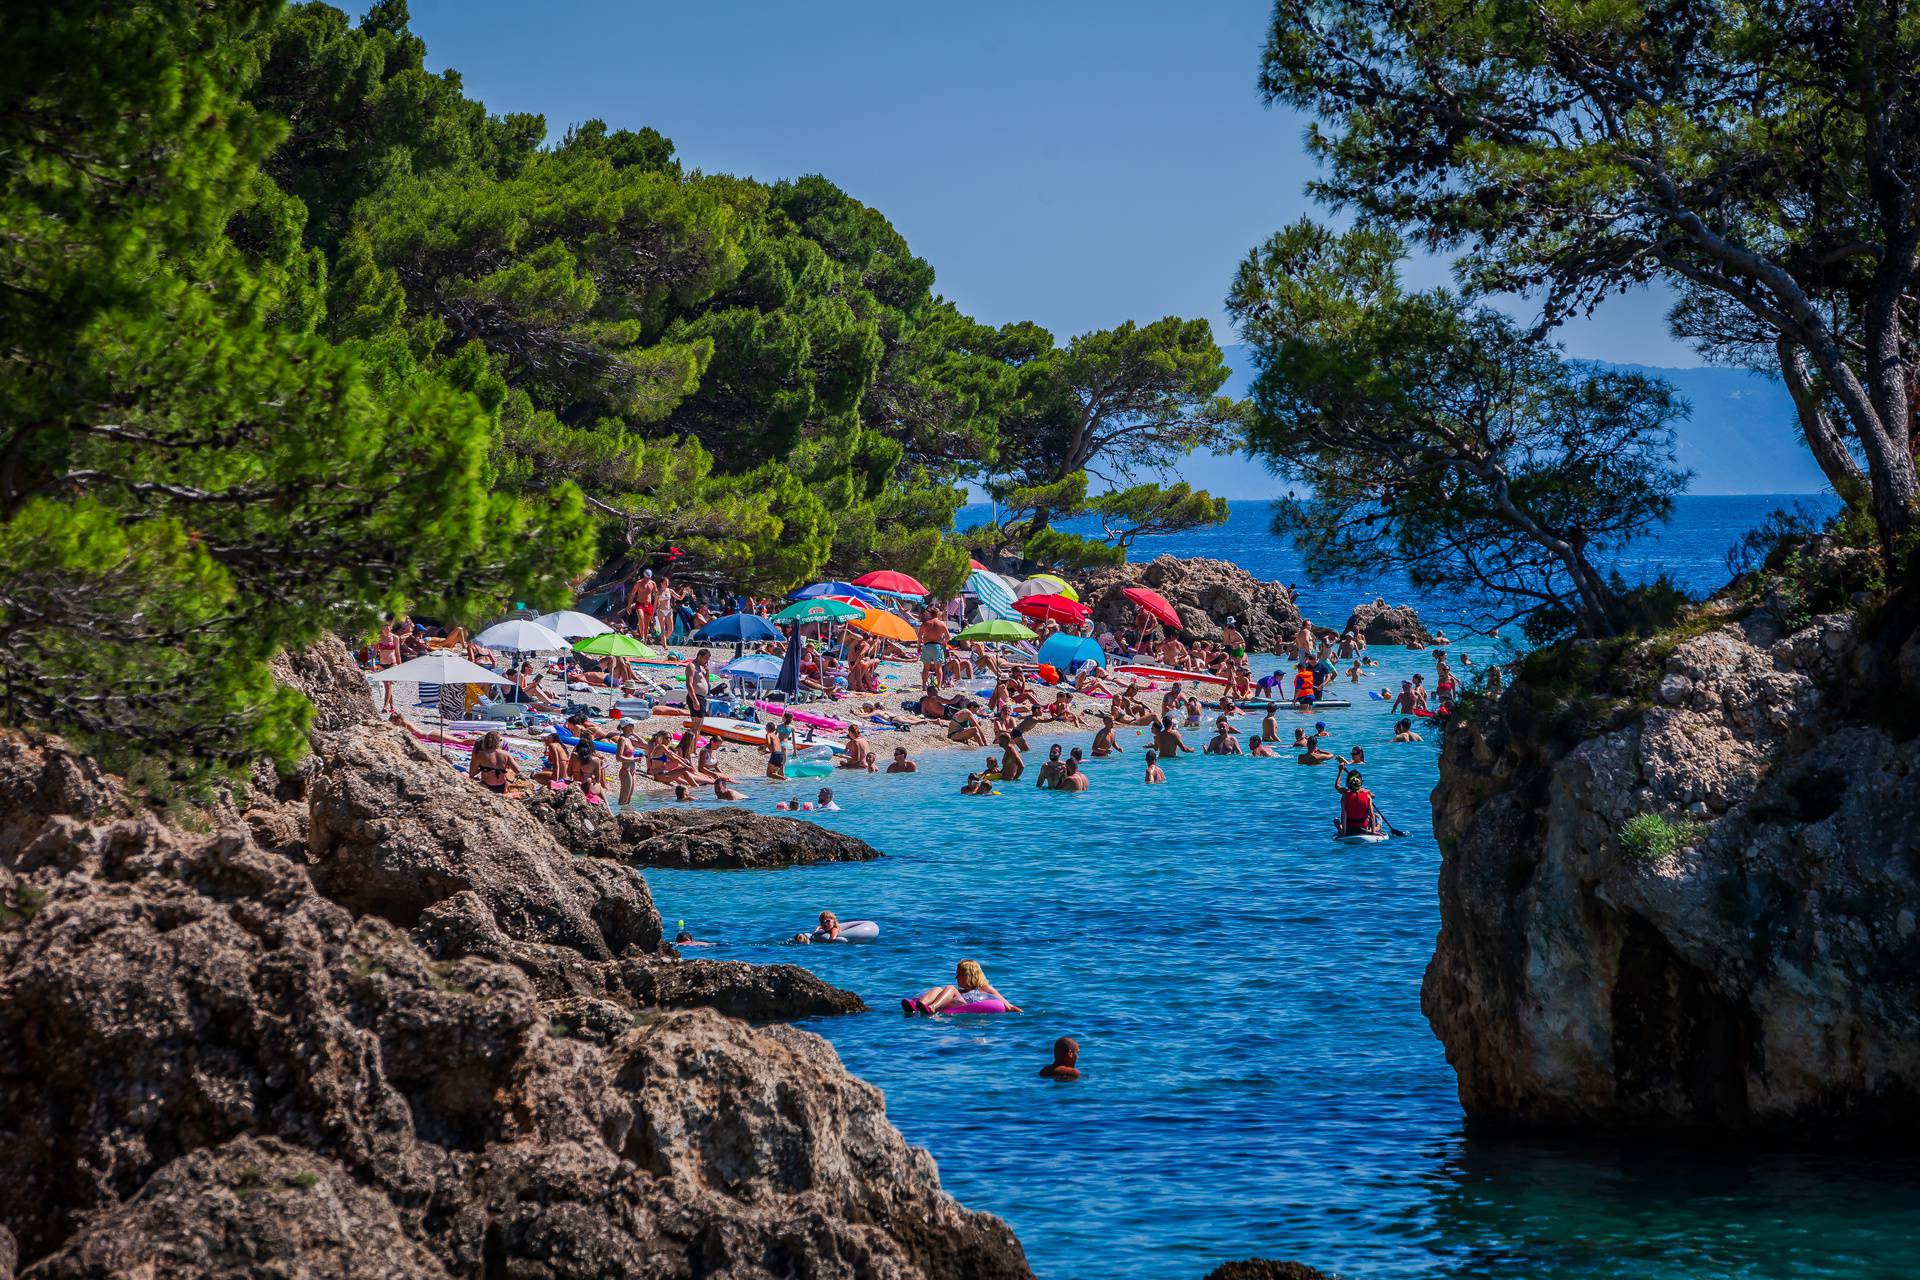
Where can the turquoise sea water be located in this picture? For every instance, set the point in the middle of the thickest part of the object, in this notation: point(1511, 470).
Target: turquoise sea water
point(1259, 1078)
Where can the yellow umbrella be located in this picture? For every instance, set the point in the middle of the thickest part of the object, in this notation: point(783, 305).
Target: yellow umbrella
point(887, 626)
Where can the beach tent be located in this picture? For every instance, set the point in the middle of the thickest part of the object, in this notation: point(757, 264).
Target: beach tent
point(1064, 652)
point(572, 624)
point(994, 593)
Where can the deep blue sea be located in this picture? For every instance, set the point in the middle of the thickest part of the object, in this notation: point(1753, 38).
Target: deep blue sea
point(1259, 1079)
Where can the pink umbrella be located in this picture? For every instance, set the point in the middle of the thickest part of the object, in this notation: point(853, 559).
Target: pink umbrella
point(1056, 607)
point(904, 584)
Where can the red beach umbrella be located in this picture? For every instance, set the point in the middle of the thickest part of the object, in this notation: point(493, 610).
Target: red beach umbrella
point(1154, 603)
point(893, 580)
point(1056, 607)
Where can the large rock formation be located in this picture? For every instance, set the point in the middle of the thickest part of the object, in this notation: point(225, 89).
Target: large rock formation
point(1680, 888)
point(423, 1041)
point(693, 839)
point(1204, 592)
point(1381, 623)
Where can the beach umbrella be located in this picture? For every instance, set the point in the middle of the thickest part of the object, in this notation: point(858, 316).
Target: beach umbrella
point(520, 635)
point(993, 593)
point(740, 628)
point(888, 626)
point(572, 624)
point(821, 610)
point(1154, 603)
point(613, 644)
point(760, 666)
point(1046, 584)
point(788, 681)
point(891, 581)
point(1000, 629)
point(836, 588)
point(1057, 608)
point(439, 668)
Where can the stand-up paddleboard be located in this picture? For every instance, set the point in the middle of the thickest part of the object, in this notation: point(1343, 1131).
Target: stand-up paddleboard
point(752, 734)
point(1170, 674)
point(1270, 704)
point(814, 718)
point(1365, 837)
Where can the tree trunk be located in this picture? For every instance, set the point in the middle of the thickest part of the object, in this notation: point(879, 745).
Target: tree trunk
point(1829, 447)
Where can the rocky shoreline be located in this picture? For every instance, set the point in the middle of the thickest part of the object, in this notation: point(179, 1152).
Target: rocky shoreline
point(1680, 887)
point(376, 1022)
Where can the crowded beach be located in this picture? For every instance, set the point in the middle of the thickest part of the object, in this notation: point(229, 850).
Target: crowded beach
point(651, 692)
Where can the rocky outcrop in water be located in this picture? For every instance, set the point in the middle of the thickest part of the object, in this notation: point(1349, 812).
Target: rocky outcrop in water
point(694, 839)
point(1204, 592)
point(1383, 623)
point(419, 1039)
point(1264, 1269)
point(1680, 888)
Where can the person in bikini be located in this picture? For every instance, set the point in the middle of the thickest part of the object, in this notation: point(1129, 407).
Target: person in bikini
point(491, 765)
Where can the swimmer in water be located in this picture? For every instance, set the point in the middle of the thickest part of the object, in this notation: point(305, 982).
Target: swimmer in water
point(1257, 746)
point(1155, 774)
point(1315, 753)
point(826, 800)
point(1269, 727)
point(721, 791)
point(1066, 1056)
point(900, 762)
point(1104, 743)
point(1224, 741)
point(969, 985)
point(1403, 732)
point(1071, 779)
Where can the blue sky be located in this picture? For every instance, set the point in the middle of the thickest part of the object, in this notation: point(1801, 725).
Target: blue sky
point(1069, 162)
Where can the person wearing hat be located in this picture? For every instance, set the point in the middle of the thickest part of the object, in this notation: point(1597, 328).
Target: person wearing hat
point(1235, 642)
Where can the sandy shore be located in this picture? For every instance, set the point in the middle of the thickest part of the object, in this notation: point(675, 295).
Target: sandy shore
point(899, 683)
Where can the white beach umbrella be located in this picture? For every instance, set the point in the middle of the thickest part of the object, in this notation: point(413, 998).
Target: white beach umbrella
point(521, 635)
point(573, 624)
point(439, 668)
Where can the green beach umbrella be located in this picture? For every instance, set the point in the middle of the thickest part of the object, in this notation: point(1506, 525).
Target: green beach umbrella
point(613, 644)
point(996, 629)
point(821, 610)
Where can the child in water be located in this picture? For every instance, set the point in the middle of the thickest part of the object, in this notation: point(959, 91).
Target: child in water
point(1155, 774)
point(1066, 1056)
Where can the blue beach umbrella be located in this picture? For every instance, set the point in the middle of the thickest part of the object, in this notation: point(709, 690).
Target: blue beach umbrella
point(739, 627)
point(788, 681)
point(760, 666)
point(836, 588)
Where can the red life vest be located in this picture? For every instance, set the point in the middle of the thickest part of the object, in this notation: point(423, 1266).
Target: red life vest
point(1303, 685)
point(1356, 810)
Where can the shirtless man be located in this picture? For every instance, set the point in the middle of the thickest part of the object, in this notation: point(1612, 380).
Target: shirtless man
point(1224, 741)
point(1012, 766)
point(1315, 753)
point(900, 762)
point(933, 646)
point(1404, 701)
point(1167, 740)
point(1066, 1052)
point(1104, 743)
point(1050, 769)
point(1269, 727)
point(646, 593)
point(1071, 779)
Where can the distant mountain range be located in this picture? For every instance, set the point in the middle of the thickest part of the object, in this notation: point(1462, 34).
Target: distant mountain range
point(1740, 438)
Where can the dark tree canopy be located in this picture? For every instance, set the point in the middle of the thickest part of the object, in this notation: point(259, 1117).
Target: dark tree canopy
point(1764, 157)
point(1435, 437)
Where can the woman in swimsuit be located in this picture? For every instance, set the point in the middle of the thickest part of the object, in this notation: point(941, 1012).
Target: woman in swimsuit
point(626, 751)
point(492, 766)
point(970, 985)
point(588, 772)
